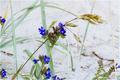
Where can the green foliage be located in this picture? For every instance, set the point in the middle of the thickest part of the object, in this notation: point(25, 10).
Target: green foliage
point(53, 38)
point(52, 24)
point(103, 75)
point(28, 53)
point(100, 71)
point(36, 68)
point(37, 71)
point(118, 77)
point(7, 43)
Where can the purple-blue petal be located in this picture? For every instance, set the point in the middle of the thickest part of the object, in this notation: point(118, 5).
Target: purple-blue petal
point(42, 31)
point(3, 20)
point(3, 73)
point(63, 31)
point(61, 25)
point(35, 61)
point(48, 73)
point(46, 59)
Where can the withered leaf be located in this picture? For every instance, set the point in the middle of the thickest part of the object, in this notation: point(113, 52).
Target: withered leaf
point(71, 25)
point(77, 38)
point(92, 18)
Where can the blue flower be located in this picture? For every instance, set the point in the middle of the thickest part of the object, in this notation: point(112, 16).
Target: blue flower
point(56, 78)
point(118, 66)
point(48, 73)
point(3, 20)
point(35, 61)
point(42, 31)
point(46, 59)
point(61, 25)
point(63, 31)
point(3, 73)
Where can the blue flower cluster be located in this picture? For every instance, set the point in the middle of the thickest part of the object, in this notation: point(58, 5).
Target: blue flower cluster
point(2, 20)
point(3, 73)
point(45, 59)
point(61, 24)
point(62, 30)
point(48, 73)
point(35, 61)
point(42, 31)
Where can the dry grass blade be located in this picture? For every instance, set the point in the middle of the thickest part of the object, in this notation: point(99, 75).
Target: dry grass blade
point(92, 18)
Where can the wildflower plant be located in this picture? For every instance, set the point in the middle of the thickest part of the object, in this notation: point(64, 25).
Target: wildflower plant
point(42, 67)
point(51, 35)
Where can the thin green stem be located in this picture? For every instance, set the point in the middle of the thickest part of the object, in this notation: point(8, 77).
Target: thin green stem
point(43, 13)
point(51, 62)
point(71, 58)
point(20, 19)
point(86, 31)
point(43, 19)
point(21, 67)
point(13, 38)
point(52, 6)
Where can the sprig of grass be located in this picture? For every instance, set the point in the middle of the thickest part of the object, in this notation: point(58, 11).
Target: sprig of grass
point(71, 57)
point(21, 67)
point(13, 38)
point(86, 31)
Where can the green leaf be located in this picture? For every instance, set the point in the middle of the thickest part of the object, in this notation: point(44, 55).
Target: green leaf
point(52, 24)
point(27, 77)
point(32, 70)
point(61, 51)
point(61, 45)
point(29, 54)
point(37, 71)
point(118, 77)
point(71, 25)
point(62, 36)
point(9, 42)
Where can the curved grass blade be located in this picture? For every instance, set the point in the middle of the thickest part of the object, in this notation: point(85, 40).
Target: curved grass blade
point(9, 42)
point(21, 67)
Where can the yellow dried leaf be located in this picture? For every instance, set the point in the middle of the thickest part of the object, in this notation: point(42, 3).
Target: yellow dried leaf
point(92, 18)
point(71, 25)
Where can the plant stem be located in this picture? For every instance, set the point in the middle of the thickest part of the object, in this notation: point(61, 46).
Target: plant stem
point(43, 14)
point(43, 18)
point(86, 31)
point(51, 62)
point(13, 38)
point(71, 58)
point(21, 67)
